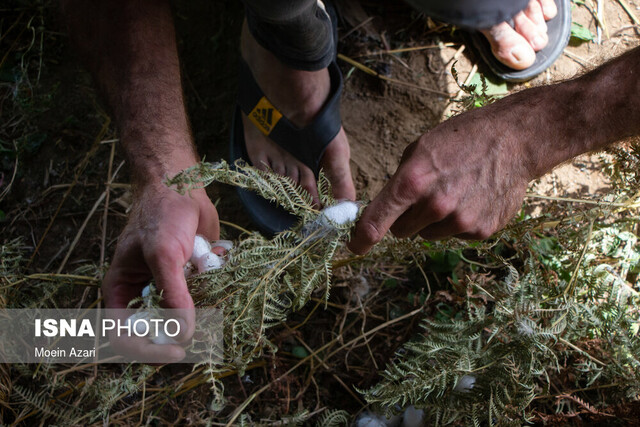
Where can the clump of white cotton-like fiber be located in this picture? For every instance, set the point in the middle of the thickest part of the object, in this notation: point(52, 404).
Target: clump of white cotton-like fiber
point(200, 248)
point(142, 328)
point(227, 245)
point(331, 218)
point(465, 384)
point(371, 419)
point(208, 262)
point(146, 294)
point(360, 288)
point(412, 417)
point(340, 213)
point(146, 291)
point(202, 259)
point(139, 327)
point(163, 339)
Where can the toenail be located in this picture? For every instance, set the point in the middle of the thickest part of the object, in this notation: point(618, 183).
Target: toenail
point(538, 42)
point(519, 53)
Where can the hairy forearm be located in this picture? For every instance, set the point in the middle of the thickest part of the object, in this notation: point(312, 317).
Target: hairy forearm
point(548, 125)
point(591, 112)
point(129, 47)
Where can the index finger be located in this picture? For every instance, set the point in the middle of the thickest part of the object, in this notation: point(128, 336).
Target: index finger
point(394, 199)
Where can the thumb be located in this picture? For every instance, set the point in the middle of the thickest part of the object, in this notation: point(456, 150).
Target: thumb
point(167, 267)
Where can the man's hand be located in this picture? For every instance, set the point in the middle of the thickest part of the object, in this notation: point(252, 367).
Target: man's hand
point(130, 48)
point(463, 178)
point(156, 243)
point(467, 176)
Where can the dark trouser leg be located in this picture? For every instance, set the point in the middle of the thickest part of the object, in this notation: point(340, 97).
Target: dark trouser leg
point(297, 32)
point(475, 14)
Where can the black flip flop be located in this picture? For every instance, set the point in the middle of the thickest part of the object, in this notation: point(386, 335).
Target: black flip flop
point(559, 32)
point(305, 144)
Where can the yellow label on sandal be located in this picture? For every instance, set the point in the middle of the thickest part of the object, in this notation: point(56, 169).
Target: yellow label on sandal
point(265, 116)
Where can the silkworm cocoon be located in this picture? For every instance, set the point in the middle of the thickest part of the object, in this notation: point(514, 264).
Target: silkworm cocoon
point(227, 245)
point(341, 213)
point(412, 417)
point(208, 262)
point(146, 294)
point(465, 384)
point(189, 269)
point(360, 289)
point(200, 248)
point(146, 291)
point(370, 420)
point(163, 339)
point(140, 327)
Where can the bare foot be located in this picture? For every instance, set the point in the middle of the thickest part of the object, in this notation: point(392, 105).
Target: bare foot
point(517, 47)
point(299, 95)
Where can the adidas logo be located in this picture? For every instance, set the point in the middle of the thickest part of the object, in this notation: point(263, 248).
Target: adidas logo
point(265, 116)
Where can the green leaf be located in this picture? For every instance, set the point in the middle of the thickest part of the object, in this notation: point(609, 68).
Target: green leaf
point(390, 283)
point(444, 313)
point(2, 215)
point(300, 352)
point(411, 296)
point(581, 33)
point(443, 262)
point(494, 86)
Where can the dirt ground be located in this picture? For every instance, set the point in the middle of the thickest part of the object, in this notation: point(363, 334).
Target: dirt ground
point(56, 191)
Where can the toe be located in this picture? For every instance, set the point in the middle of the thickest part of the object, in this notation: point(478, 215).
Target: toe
point(509, 47)
point(535, 15)
point(549, 8)
point(293, 173)
point(308, 182)
point(278, 166)
point(260, 161)
point(533, 33)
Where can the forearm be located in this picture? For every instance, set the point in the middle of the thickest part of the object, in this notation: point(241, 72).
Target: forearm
point(581, 115)
point(130, 48)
